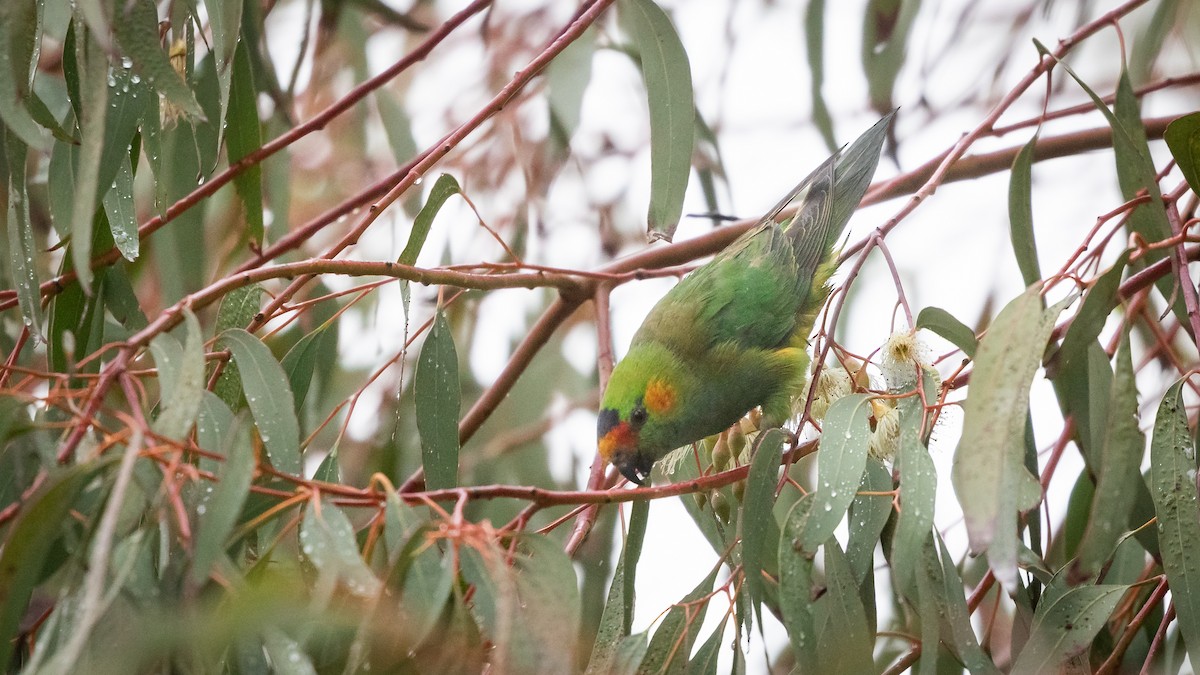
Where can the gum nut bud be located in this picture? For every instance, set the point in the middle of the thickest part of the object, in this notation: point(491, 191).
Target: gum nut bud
point(701, 500)
point(722, 457)
point(880, 407)
point(720, 506)
point(736, 440)
point(739, 490)
point(862, 379)
point(746, 425)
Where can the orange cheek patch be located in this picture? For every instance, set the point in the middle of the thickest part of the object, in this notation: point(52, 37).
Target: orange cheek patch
point(620, 436)
point(659, 398)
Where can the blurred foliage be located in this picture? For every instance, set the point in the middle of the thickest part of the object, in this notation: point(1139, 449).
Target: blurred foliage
point(245, 332)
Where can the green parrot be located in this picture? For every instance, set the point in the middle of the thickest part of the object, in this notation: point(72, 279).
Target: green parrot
point(733, 334)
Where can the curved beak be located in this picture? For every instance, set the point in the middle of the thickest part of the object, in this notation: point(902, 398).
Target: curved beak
point(633, 465)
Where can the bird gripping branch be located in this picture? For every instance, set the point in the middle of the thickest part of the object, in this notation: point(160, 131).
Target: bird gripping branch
point(733, 335)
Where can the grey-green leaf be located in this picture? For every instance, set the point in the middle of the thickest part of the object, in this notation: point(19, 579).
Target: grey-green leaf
point(269, 398)
point(137, 31)
point(1183, 139)
point(989, 474)
point(220, 505)
point(845, 435)
point(844, 645)
point(93, 67)
point(182, 397)
point(757, 519)
point(438, 398)
point(1020, 213)
point(946, 325)
point(243, 137)
point(20, 32)
point(868, 516)
point(918, 488)
point(1065, 625)
point(122, 213)
point(21, 247)
point(327, 540)
point(237, 309)
point(668, 78)
point(1118, 468)
point(445, 187)
point(796, 584)
point(673, 639)
point(618, 609)
point(1173, 487)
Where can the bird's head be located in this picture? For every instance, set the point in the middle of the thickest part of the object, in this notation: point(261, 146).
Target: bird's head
point(639, 419)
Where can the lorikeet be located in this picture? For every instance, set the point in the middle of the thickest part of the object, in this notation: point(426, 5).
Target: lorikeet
point(733, 334)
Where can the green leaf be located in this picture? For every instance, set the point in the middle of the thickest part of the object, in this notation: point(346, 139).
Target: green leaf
point(668, 78)
point(1065, 625)
point(550, 605)
point(952, 608)
point(93, 107)
point(301, 361)
point(845, 435)
point(844, 644)
point(21, 247)
point(944, 324)
point(868, 516)
point(214, 425)
point(1183, 139)
point(567, 77)
point(128, 99)
point(617, 619)
point(1020, 213)
point(1173, 487)
point(225, 20)
point(886, 28)
point(122, 212)
point(428, 578)
point(443, 189)
point(269, 398)
point(20, 33)
point(137, 31)
point(989, 475)
point(287, 656)
point(120, 300)
point(1118, 469)
point(244, 136)
point(918, 489)
point(327, 540)
point(628, 654)
point(28, 544)
point(238, 308)
point(707, 657)
point(757, 519)
point(814, 45)
point(398, 126)
point(219, 508)
point(438, 398)
point(183, 379)
point(672, 642)
point(796, 584)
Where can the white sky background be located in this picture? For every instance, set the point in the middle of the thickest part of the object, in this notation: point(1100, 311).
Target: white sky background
point(952, 252)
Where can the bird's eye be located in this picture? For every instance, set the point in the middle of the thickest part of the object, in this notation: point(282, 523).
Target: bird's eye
point(637, 416)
